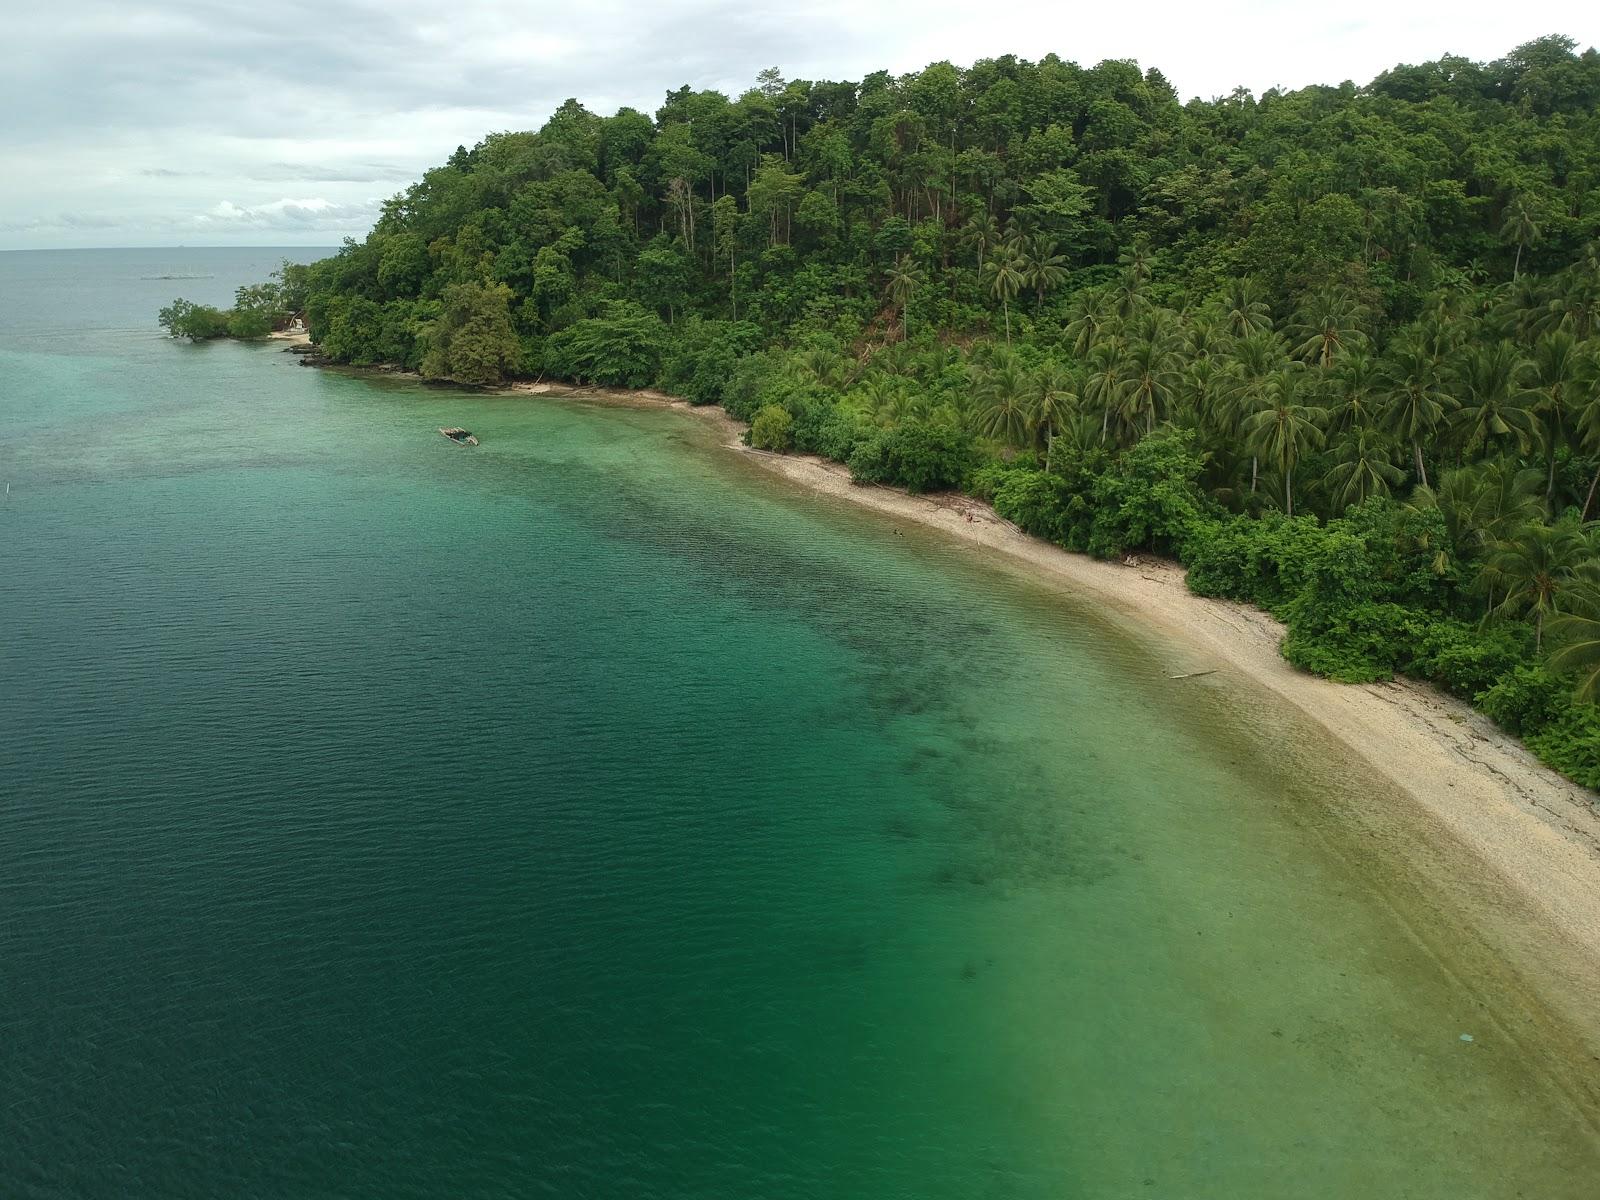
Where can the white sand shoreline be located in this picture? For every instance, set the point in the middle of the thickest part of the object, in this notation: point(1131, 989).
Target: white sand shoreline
point(1536, 832)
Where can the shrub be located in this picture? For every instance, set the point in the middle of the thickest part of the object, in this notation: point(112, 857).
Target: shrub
point(1150, 498)
point(773, 429)
point(917, 457)
point(621, 348)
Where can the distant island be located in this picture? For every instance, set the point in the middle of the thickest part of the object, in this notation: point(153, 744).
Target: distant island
point(1336, 350)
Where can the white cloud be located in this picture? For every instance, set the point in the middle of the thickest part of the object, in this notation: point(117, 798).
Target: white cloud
point(300, 215)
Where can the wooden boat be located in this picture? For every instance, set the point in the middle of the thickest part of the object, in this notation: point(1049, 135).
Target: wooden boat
point(461, 437)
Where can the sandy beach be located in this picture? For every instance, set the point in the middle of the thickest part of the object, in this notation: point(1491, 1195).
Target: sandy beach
point(1516, 845)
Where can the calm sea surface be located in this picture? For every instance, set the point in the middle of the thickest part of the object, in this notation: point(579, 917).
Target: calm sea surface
point(584, 815)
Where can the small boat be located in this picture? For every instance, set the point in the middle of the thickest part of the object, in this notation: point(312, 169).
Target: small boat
point(461, 437)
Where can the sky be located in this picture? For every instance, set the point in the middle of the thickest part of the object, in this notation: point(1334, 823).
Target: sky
point(225, 123)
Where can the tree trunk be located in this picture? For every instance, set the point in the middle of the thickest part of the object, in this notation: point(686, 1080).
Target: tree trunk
point(1516, 267)
point(1006, 304)
point(1589, 499)
point(1422, 472)
point(1288, 491)
point(1255, 465)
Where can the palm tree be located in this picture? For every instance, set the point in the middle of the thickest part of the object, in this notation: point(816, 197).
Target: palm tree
point(1088, 320)
point(1576, 308)
point(1494, 400)
point(983, 231)
point(1255, 358)
point(904, 280)
point(1102, 387)
point(1046, 268)
point(1136, 261)
point(1056, 392)
point(1357, 393)
point(1204, 335)
point(1365, 468)
point(1004, 273)
point(1328, 322)
point(1481, 504)
point(1519, 227)
point(1285, 428)
point(1578, 632)
point(1555, 376)
point(1005, 395)
point(1417, 400)
point(1537, 567)
point(1584, 401)
point(1244, 307)
point(1150, 377)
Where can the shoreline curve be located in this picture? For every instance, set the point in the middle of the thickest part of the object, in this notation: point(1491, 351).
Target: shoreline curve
point(1536, 832)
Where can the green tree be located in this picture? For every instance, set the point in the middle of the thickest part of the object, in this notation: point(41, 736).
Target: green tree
point(1495, 411)
point(904, 279)
point(1286, 428)
point(472, 340)
point(1004, 274)
point(1418, 399)
point(1005, 396)
point(1520, 229)
point(1536, 568)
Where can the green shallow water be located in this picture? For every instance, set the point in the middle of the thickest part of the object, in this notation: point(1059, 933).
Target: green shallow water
point(586, 815)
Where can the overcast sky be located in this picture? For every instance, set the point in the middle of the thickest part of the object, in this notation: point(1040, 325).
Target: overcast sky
point(129, 123)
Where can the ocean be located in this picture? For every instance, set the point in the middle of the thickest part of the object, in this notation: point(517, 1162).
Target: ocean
point(590, 814)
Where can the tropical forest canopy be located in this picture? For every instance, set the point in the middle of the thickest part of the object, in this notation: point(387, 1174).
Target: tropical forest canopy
point(1337, 349)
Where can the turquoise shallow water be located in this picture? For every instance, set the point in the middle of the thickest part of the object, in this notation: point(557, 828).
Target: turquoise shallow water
point(584, 815)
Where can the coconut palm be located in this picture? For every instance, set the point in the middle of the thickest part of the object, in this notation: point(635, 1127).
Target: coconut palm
point(1151, 373)
point(1417, 398)
point(1004, 273)
point(1285, 428)
point(1536, 569)
point(1044, 267)
point(1554, 379)
point(1102, 385)
point(1576, 308)
point(1482, 504)
point(1137, 261)
point(905, 277)
point(1327, 324)
point(982, 233)
point(1056, 393)
point(1365, 468)
point(1584, 401)
point(1004, 394)
point(1519, 227)
point(1356, 393)
point(1205, 334)
point(1255, 357)
point(1495, 401)
point(1088, 320)
point(1577, 634)
point(1244, 307)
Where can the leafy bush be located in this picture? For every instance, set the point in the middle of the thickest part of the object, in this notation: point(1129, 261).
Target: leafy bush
point(705, 355)
point(621, 348)
point(1150, 498)
point(917, 457)
point(197, 322)
point(773, 429)
point(1465, 658)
